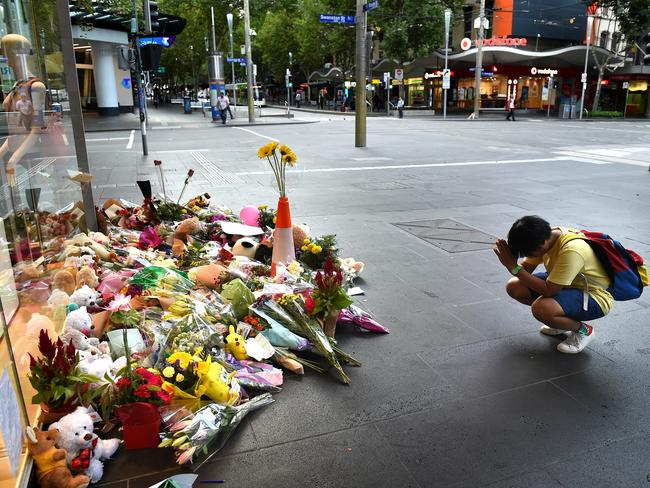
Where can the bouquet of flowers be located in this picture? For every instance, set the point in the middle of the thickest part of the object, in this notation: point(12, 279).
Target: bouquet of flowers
point(206, 431)
point(314, 252)
point(267, 217)
point(278, 162)
point(329, 298)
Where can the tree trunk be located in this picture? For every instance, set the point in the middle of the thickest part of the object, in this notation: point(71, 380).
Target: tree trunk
point(601, 73)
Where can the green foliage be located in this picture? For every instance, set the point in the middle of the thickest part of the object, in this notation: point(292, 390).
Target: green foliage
point(605, 113)
point(633, 15)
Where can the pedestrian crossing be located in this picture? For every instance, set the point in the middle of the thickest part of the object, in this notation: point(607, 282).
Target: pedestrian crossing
point(213, 173)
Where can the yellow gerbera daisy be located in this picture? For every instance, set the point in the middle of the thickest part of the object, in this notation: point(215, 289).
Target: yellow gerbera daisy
point(183, 358)
point(284, 149)
point(290, 159)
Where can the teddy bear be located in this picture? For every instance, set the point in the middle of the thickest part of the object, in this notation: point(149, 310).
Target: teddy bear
point(58, 297)
point(28, 341)
point(51, 465)
point(208, 276)
point(183, 235)
point(87, 276)
point(64, 280)
point(85, 451)
point(300, 233)
point(77, 327)
point(97, 361)
point(88, 246)
point(85, 297)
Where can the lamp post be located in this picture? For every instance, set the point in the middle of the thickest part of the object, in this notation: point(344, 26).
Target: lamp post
point(590, 22)
point(232, 63)
point(479, 60)
point(446, 75)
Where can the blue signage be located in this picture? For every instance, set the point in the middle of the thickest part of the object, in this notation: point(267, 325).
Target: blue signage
point(236, 60)
point(161, 41)
point(126, 83)
point(337, 19)
point(367, 7)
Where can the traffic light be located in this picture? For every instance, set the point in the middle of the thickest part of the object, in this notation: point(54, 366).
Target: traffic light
point(151, 15)
point(646, 58)
point(287, 78)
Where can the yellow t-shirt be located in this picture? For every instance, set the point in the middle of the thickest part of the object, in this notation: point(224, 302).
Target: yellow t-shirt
point(570, 261)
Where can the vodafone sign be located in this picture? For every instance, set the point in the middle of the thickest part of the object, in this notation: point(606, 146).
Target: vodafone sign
point(466, 43)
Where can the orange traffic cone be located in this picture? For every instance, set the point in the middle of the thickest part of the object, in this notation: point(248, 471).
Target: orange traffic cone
point(283, 248)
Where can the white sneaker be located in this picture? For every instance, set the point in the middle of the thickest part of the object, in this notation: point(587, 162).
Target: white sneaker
point(550, 331)
point(575, 343)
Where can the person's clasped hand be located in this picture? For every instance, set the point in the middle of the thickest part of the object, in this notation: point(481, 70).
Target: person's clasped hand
point(504, 254)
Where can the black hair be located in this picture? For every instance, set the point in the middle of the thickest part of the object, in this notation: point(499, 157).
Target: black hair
point(527, 235)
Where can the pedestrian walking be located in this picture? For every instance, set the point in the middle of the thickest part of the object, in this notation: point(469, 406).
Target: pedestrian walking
point(510, 107)
point(321, 100)
point(298, 98)
point(400, 107)
point(223, 104)
point(574, 288)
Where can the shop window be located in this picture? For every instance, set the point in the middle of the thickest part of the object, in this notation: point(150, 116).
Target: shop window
point(616, 41)
point(604, 39)
point(39, 202)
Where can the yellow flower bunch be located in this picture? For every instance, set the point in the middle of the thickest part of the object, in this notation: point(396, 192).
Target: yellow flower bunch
point(311, 247)
point(184, 359)
point(287, 298)
point(278, 164)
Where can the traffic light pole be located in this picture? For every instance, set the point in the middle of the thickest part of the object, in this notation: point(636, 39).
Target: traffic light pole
point(479, 61)
point(138, 79)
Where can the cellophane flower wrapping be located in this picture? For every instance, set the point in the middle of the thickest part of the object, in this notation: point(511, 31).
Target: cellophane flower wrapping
point(200, 435)
point(279, 333)
point(354, 315)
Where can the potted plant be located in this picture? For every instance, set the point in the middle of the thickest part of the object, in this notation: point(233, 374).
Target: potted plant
point(59, 383)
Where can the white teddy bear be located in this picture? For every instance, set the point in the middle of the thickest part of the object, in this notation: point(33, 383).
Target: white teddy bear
point(97, 361)
point(85, 297)
point(76, 329)
point(58, 297)
point(85, 451)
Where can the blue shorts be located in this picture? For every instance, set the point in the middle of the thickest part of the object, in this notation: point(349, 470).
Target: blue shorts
point(570, 299)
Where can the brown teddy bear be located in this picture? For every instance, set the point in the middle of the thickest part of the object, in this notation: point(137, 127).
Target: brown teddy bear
point(87, 276)
point(183, 235)
point(64, 279)
point(51, 469)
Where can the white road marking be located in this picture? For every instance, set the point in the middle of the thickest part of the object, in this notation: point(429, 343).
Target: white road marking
point(373, 158)
point(65, 140)
point(213, 171)
point(129, 144)
point(602, 159)
point(256, 134)
point(167, 127)
point(107, 139)
point(168, 151)
point(413, 166)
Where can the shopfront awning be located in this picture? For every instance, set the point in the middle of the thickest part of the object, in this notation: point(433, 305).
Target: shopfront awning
point(566, 57)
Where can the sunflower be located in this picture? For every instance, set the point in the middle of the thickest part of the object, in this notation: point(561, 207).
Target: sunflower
point(290, 159)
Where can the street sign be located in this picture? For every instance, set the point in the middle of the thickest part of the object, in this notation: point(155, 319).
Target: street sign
point(446, 79)
point(386, 77)
point(337, 19)
point(367, 7)
point(160, 41)
point(583, 78)
point(626, 85)
point(236, 60)
point(399, 74)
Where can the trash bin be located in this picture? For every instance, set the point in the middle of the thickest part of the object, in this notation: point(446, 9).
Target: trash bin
point(187, 105)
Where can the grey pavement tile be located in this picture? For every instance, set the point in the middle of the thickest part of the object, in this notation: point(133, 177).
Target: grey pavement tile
point(140, 462)
point(620, 394)
point(534, 479)
point(488, 439)
point(496, 365)
point(356, 457)
point(383, 387)
point(621, 463)
point(496, 318)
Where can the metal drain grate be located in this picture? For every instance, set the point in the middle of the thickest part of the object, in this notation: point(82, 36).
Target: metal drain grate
point(449, 235)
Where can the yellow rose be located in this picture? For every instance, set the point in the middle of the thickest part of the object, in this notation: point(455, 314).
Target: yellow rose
point(179, 378)
point(168, 372)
